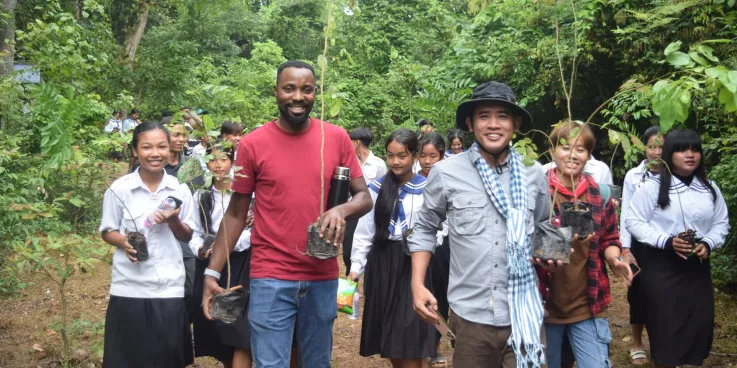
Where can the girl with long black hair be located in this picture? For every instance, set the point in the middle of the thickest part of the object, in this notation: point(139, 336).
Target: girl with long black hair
point(391, 328)
point(675, 280)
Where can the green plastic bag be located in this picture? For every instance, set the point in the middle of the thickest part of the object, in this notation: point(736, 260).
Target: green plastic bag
point(346, 289)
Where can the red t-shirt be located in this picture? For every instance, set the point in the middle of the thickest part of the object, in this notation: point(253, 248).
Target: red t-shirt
point(284, 171)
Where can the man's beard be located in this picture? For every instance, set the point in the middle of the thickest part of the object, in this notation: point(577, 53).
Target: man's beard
point(295, 120)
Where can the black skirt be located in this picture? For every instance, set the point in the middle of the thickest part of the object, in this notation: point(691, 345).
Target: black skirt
point(215, 338)
point(679, 297)
point(391, 327)
point(638, 312)
point(238, 334)
point(147, 333)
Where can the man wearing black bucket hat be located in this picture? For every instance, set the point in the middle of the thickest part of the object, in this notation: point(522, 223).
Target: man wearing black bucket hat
point(491, 202)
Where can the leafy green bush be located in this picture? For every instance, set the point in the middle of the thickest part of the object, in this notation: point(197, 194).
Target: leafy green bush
point(723, 271)
point(724, 174)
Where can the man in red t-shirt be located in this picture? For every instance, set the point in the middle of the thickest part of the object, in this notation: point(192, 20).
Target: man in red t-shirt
point(281, 163)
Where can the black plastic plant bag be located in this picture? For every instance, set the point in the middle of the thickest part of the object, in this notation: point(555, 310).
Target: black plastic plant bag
point(552, 243)
point(207, 241)
point(580, 220)
point(316, 246)
point(228, 307)
point(616, 192)
point(138, 242)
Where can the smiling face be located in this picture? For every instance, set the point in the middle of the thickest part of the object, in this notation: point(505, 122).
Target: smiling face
point(494, 125)
point(571, 157)
point(234, 138)
point(178, 138)
point(152, 150)
point(456, 146)
point(429, 155)
point(399, 159)
point(686, 162)
point(219, 164)
point(295, 95)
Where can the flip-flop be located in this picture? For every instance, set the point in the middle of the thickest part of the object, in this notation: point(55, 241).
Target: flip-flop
point(439, 361)
point(639, 357)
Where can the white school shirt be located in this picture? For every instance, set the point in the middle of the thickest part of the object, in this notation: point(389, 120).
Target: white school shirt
point(162, 275)
point(112, 124)
point(220, 203)
point(129, 124)
point(634, 180)
point(597, 169)
point(651, 225)
point(416, 167)
point(200, 152)
point(366, 228)
point(373, 168)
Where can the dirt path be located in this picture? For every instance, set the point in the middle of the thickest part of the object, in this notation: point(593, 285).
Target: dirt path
point(27, 341)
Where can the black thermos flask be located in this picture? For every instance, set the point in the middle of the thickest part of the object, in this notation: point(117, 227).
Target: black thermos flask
point(339, 187)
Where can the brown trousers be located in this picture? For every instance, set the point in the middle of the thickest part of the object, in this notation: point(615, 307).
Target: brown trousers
point(482, 346)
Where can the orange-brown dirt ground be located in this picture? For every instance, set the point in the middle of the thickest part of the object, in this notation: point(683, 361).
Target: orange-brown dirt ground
point(27, 337)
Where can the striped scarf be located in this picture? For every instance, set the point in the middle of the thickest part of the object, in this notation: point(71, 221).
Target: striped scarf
point(525, 304)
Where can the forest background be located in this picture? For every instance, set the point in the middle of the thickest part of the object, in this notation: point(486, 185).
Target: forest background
point(624, 64)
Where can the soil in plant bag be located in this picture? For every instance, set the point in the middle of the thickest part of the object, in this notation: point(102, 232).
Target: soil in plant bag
point(228, 307)
point(551, 243)
point(138, 242)
point(579, 220)
point(316, 246)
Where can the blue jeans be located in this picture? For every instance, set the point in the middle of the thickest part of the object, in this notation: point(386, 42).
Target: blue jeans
point(277, 307)
point(589, 339)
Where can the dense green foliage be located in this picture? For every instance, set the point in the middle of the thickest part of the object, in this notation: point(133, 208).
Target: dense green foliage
point(628, 64)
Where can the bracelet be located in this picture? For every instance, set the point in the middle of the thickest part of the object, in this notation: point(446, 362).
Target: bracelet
point(213, 273)
point(625, 251)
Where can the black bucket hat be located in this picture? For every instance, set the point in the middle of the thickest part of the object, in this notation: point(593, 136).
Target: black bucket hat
point(492, 91)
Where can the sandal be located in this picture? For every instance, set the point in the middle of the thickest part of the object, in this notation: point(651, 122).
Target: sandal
point(639, 357)
point(439, 361)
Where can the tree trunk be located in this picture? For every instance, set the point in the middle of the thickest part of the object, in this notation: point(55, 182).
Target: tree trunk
point(136, 33)
point(7, 38)
point(77, 5)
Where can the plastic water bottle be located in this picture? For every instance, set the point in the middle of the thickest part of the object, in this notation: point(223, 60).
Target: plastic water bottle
point(167, 204)
point(356, 306)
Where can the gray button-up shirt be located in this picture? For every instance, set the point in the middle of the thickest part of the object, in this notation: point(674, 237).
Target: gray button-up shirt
point(477, 289)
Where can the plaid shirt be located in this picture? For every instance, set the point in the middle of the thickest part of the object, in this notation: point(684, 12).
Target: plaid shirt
point(606, 234)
